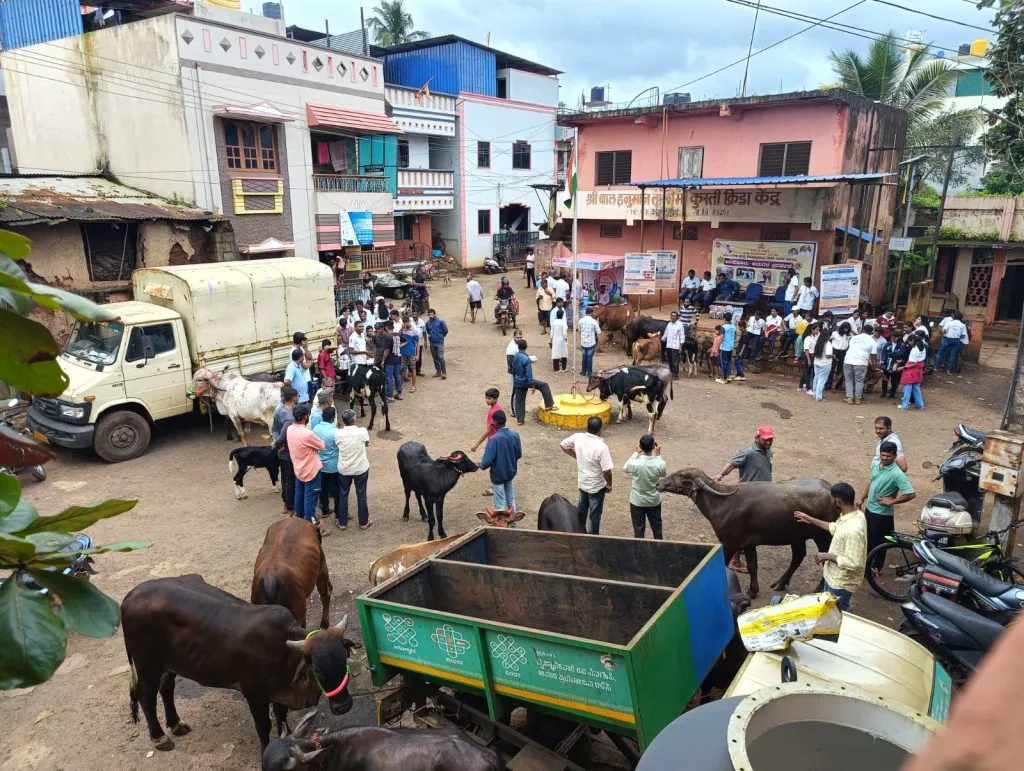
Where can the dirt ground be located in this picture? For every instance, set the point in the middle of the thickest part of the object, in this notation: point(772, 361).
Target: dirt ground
point(188, 512)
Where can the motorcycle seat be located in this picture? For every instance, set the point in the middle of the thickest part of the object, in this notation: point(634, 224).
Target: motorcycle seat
point(973, 434)
point(972, 575)
point(984, 630)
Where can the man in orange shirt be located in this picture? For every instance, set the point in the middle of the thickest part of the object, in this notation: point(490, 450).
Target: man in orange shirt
point(304, 447)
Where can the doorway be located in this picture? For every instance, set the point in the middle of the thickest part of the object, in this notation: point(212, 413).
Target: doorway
point(514, 218)
point(1010, 305)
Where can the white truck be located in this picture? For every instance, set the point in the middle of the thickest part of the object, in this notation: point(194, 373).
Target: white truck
point(126, 375)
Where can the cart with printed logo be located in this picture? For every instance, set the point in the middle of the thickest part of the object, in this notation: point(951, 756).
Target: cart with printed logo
point(585, 632)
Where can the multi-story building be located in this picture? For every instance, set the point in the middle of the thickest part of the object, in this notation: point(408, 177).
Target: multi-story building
point(290, 141)
point(754, 171)
point(504, 140)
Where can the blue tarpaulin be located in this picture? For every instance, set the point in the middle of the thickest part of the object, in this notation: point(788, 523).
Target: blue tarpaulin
point(803, 179)
point(859, 234)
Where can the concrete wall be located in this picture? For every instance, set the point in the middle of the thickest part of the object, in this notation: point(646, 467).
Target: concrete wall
point(529, 87)
point(986, 219)
point(105, 101)
point(419, 151)
point(502, 123)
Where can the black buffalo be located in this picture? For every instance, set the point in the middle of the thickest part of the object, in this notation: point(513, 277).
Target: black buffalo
point(431, 480)
point(367, 382)
point(629, 384)
point(557, 514)
point(641, 327)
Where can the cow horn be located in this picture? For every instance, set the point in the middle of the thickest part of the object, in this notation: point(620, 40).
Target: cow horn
point(307, 719)
point(308, 756)
point(343, 623)
point(296, 645)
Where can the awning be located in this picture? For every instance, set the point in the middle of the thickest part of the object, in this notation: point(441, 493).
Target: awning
point(859, 234)
point(267, 247)
point(329, 116)
point(590, 261)
point(803, 179)
point(263, 112)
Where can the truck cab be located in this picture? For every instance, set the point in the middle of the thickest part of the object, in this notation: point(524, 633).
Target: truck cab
point(122, 376)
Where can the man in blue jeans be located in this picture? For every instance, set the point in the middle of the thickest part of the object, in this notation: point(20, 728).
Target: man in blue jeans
point(522, 381)
point(589, 331)
point(593, 472)
point(353, 468)
point(726, 352)
point(389, 359)
point(504, 449)
point(952, 332)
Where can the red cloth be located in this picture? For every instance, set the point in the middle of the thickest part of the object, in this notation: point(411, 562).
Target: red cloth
point(325, 364)
point(886, 325)
point(491, 428)
point(323, 153)
point(913, 373)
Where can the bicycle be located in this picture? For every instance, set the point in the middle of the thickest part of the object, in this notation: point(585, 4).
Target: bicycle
point(901, 565)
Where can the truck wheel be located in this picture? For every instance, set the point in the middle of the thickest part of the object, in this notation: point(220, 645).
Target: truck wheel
point(121, 435)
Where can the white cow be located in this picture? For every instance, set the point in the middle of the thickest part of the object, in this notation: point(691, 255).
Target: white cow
point(238, 399)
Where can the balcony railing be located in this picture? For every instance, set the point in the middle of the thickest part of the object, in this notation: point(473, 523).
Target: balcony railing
point(411, 97)
point(345, 183)
point(412, 180)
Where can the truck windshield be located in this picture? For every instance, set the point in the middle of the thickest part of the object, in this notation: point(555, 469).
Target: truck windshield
point(95, 343)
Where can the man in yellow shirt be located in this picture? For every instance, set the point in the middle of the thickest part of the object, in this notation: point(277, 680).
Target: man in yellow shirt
point(843, 563)
point(545, 302)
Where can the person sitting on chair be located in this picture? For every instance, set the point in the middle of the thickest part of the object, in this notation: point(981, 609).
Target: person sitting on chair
point(505, 292)
point(725, 289)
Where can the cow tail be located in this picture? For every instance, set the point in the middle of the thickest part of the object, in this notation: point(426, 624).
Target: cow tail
point(671, 390)
point(133, 687)
point(232, 463)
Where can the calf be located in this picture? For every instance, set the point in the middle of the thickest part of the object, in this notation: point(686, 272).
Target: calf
point(404, 557)
point(238, 399)
point(431, 480)
point(367, 382)
point(183, 626)
point(647, 349)
point(289, 565)
point(368, 748)
point(641, 327)
point(632, 383)
point(241, 459)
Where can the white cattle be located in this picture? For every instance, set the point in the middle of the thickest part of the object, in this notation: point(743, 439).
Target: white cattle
point(238, 399)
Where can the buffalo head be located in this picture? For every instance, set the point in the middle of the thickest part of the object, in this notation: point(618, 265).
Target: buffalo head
point(689, 481)
point(326, 653)
point(289, 751)
point(459, 461)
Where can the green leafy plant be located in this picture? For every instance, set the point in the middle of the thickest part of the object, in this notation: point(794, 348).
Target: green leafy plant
point(1004, 139)
point(392, 24)
point(33, 623)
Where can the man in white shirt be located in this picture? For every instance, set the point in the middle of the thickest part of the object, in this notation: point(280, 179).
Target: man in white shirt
point(949, 349)
point(690, 288)
point(884, 432)
point(593, 472)
point(357, 345)
point(475, 296)
point(789, 334)
point(707, 289)
point(420, 327)
point(531, 275)
point(353, 466)
point(807, 296)
point(792, 290)
point(589, 330)
point(753, 336)
point(674, 336)
point(561, 287)
point(855, 365)
point(947, 318)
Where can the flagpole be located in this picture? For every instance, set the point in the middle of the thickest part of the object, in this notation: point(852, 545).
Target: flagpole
point(575, 249)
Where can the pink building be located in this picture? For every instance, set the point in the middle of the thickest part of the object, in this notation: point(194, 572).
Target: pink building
point(738, 158)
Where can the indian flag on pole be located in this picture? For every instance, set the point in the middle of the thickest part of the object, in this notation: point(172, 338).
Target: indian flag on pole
point(570, 176)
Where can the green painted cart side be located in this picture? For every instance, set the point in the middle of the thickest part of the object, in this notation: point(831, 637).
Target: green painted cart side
point(617, 633)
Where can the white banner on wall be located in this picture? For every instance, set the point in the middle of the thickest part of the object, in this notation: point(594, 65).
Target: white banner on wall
point(640, 274)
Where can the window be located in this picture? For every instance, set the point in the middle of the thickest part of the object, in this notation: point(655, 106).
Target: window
point(688, 232)
point(614, 168)
point(403, 228)
point(257, 196)
point(520, 155)
point(945, 269)
point(784, 159)
point(611, 231)
point(691, 162)
point(775, 233)
point(160, 336)
point(110, 250)
point(501, 88)
point(250, 146)
point(483, 155)
point(483, 222)
point(403, 153)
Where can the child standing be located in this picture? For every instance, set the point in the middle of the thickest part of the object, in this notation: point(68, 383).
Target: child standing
point(714, 355)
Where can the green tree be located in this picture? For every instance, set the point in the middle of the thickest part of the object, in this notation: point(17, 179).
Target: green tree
point(907, 78)
point(392, 24)
point(934, 137)
point(1004, 139)
point(33, 624)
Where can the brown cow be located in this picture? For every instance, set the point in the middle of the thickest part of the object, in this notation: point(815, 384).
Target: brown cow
point(404, 557)
point(290, 563)
point(648, 349)
point(612, 318)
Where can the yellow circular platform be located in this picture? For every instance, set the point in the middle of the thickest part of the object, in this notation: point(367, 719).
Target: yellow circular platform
point(574, 411)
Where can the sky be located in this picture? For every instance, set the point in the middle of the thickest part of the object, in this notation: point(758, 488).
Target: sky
point(629, 46)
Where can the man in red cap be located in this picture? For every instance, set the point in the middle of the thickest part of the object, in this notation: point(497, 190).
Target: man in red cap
point(755, 465)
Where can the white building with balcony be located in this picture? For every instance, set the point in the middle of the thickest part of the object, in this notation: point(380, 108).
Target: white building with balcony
point(289, 140)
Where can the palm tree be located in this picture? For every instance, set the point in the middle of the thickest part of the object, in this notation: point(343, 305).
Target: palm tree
point(907, 78)
point(392, 24)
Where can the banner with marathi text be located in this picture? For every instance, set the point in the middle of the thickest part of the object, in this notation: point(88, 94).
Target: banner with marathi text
point(765, 263)
point(665, 275)
point(639, 275)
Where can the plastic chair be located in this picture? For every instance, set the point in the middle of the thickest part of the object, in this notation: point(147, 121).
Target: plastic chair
point(754, 292)
point(779, 301)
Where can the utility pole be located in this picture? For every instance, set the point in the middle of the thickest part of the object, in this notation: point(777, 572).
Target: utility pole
point(933, 252)
point(750, 50)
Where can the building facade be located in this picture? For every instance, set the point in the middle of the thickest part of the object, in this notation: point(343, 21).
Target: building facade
point(290, 142)
point(748, 142)
point(504, 139)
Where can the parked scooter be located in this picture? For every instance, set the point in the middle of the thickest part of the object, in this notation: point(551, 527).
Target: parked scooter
point(494, 264)
point(81, 567)
point(963, 582)
point(38, 472)
point(956, 635)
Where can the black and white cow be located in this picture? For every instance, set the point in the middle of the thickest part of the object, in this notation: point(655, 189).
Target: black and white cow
point(630, 384)
point(367, 382)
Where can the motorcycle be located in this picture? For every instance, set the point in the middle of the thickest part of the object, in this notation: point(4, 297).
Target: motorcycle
point(80, 568)
point(504, 315)
point(964, 582)
point(37, 471)
point(494, 264)
point(956, 635)
point(965, 436)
